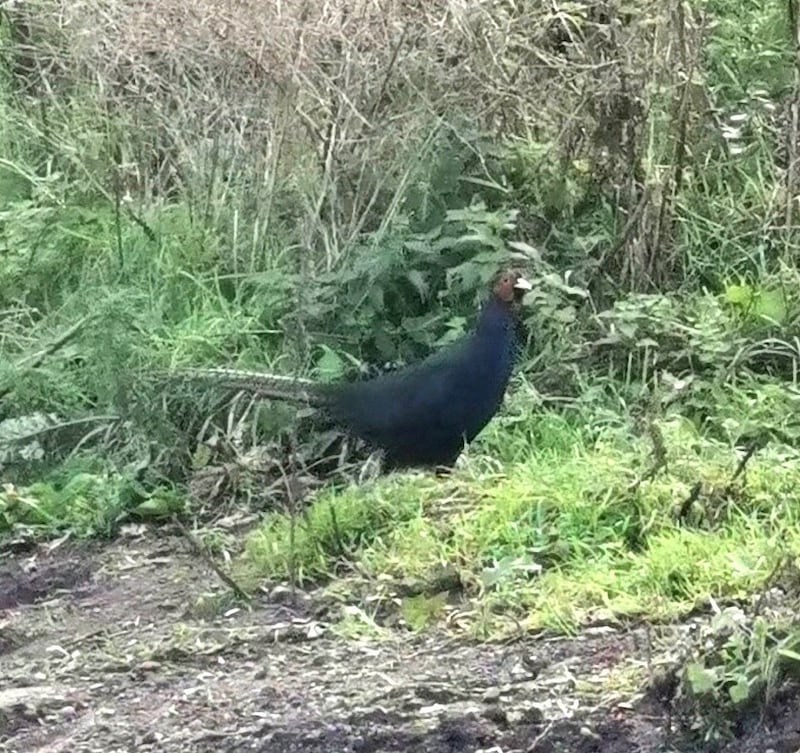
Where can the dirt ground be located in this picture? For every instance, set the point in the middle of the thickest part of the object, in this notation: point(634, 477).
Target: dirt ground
point(108, 648)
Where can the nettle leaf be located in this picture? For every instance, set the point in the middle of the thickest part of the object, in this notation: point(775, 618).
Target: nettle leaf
point(330, 366)
point(420, 611)
point(771, 304)
point(555, 281)
point(383, 342)
point(417, 280)
point(421, 329)
point(701, 679)
point(525, 250)
point(455, 329)
point(740, 690)
point(443, 244)
point(739, 295)
point(467, 214)
point(419, 246)
point(376, 297)
point(627, 330)
point(565, 315)
point(161, 504)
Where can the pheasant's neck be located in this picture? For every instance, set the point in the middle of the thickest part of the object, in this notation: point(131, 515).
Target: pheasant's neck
point(496, 336)
point(496, 319)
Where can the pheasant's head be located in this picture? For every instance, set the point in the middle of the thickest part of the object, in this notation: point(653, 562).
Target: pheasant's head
point(509, 286)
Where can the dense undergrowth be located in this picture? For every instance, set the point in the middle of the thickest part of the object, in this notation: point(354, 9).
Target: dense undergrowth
point(201, 197)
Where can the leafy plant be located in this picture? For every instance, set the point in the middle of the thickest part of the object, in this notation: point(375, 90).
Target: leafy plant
point(397, 295)
point(738, 667)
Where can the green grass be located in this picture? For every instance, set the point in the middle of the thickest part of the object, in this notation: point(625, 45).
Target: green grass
point(559, 538)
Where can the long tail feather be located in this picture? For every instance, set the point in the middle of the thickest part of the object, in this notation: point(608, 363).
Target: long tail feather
point(270, 386)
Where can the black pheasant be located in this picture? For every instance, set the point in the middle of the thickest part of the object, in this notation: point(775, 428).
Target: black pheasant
point(420, 415)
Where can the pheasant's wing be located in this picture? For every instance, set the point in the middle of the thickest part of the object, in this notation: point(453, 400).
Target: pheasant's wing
point(418, 404)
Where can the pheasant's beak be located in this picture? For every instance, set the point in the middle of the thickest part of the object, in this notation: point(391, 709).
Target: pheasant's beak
point(522, 284)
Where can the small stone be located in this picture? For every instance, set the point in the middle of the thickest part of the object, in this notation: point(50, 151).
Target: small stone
point(530, 715)
point(586, 732)
point(492, 695)
point(438, 693)
point(496, 714)
point(149, 738)
point(68, 712)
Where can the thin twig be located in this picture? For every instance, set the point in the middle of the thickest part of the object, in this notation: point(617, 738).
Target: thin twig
point(769, 581)
point(751, 450)
point(50, 428)
point(201, 551)
point(659, 457)
point(34, 359)
point(794, 156)
point(291, 498)
point(540, 737)
point(694, 494)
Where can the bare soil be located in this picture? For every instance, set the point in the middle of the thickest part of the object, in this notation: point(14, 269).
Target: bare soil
point(122, 647)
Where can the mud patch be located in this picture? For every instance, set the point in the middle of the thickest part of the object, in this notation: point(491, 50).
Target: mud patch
point(36, 577)
point(136, 660)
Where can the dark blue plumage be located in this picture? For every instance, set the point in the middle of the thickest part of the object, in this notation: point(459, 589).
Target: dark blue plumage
point(419, 415)
point(423, 415)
